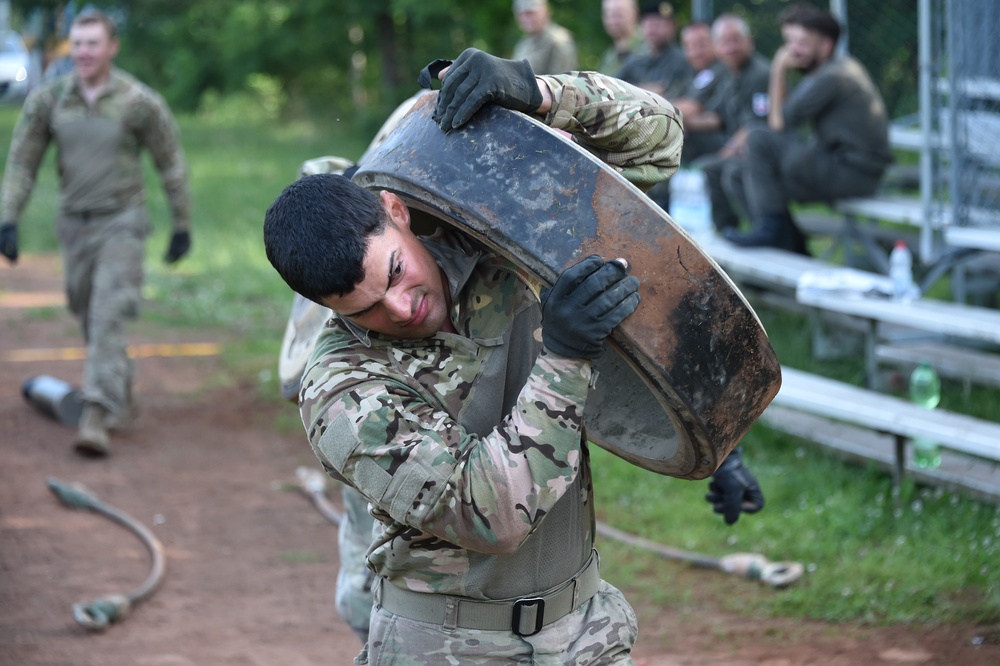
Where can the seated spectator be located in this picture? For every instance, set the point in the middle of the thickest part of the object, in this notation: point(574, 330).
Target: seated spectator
point(548, 48)
point(663, 69)
point(621, 21)
point(849, 148)
point(744, 104)
point(700, 98)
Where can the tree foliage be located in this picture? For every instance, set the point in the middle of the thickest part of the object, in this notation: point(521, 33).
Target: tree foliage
point(346, 56)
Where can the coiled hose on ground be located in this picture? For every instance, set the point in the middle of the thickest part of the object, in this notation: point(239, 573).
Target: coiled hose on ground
point(98, 614)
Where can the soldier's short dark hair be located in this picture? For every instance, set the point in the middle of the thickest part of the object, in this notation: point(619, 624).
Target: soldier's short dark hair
point(91, 16)
point(813, 19)
point(316, 234)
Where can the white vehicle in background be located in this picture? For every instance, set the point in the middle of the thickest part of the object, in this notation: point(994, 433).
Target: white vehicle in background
point(15, 68)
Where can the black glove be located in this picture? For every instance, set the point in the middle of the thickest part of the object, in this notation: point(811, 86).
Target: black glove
point(8, 241)
point(587, 301)
point(477, 78)
point(180, 243)
point(429, 74)
point(733, 489)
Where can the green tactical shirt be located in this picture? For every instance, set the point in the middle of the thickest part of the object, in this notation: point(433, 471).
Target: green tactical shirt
point(612, 59)
point(745, 100)
point(98, 148)
point(469, 446)
point(846, 112)
point(551, 51)
point(668, 68)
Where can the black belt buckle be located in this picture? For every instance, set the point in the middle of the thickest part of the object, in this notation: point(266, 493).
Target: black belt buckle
point(529, 602)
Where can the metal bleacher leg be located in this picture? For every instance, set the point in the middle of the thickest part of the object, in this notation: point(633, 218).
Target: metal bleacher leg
point(871, 360)
point(899, 467)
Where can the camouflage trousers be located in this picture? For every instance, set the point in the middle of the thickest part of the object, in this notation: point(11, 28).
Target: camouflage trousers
point(600, 632)
point(354, 580)
point(102, 259)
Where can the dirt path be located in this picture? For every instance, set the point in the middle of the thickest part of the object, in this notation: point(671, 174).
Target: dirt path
point(251, 565)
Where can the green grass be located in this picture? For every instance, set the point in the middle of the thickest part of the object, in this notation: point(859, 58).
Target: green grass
point(934, 560)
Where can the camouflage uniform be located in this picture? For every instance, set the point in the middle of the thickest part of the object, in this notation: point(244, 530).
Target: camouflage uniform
point(464, 443)
point(552, 51)
point(102, 223)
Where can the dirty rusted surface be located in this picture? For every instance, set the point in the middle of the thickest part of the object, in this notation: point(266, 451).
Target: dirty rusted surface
point(692, 369)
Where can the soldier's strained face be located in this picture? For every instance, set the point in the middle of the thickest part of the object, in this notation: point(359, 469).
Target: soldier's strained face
point(92, 50)
point(403, 293)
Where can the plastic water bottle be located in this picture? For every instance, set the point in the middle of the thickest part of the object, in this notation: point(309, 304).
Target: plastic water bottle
point(689, 203)
point(901, 272)
point(925, 390)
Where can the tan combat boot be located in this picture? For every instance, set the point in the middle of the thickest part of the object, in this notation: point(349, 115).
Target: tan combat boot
point(92, 439)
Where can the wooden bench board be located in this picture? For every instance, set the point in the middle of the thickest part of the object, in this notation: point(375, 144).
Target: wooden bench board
point(979, 478)
point(837, 400)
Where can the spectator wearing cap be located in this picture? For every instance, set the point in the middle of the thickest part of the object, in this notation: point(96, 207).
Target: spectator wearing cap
point(549, 48)
point(848, 150)
point(621, 21)
point(663, 70)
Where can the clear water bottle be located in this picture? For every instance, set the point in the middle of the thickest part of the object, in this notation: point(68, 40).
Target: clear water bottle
point(689, 203)
point(925, 390)
point(901, 272)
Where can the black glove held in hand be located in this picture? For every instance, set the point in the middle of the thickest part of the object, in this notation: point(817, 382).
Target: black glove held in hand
point(587, 301)
point(733, 489)
point(180, 243)
point(477, 78)
point(429, 74)
point(8, 241)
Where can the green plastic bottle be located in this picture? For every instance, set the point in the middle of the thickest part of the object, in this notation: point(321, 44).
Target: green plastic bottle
point(925, 390)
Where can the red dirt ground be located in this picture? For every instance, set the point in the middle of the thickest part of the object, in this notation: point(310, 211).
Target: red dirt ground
point(250, 564)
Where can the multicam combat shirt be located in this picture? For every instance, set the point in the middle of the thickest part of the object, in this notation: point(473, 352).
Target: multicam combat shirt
point(99, 160)
point(464, 443)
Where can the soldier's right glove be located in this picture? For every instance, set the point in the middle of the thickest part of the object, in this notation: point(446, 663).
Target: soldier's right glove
point(8, 241)
point(477, 78)
point(585, 304)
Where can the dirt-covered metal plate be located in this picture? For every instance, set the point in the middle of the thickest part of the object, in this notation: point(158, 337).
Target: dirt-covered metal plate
point(690, 370)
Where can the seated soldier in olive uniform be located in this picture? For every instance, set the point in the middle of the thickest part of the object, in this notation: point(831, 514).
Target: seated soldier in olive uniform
point(849, 150)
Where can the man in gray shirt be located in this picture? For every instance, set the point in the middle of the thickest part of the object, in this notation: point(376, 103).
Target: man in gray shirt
point(849, 150)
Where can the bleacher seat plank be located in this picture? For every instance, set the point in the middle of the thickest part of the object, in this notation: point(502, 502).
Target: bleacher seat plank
point(961, 363)
point(900, 209)
point(840, 401)
point(958, 472)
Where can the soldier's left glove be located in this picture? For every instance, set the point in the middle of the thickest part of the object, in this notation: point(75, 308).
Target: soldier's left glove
point(477, 78)
point(8, 241)
point(180, 244)
point(733, 489)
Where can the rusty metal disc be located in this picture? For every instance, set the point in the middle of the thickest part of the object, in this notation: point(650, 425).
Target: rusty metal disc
point(690, 370)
